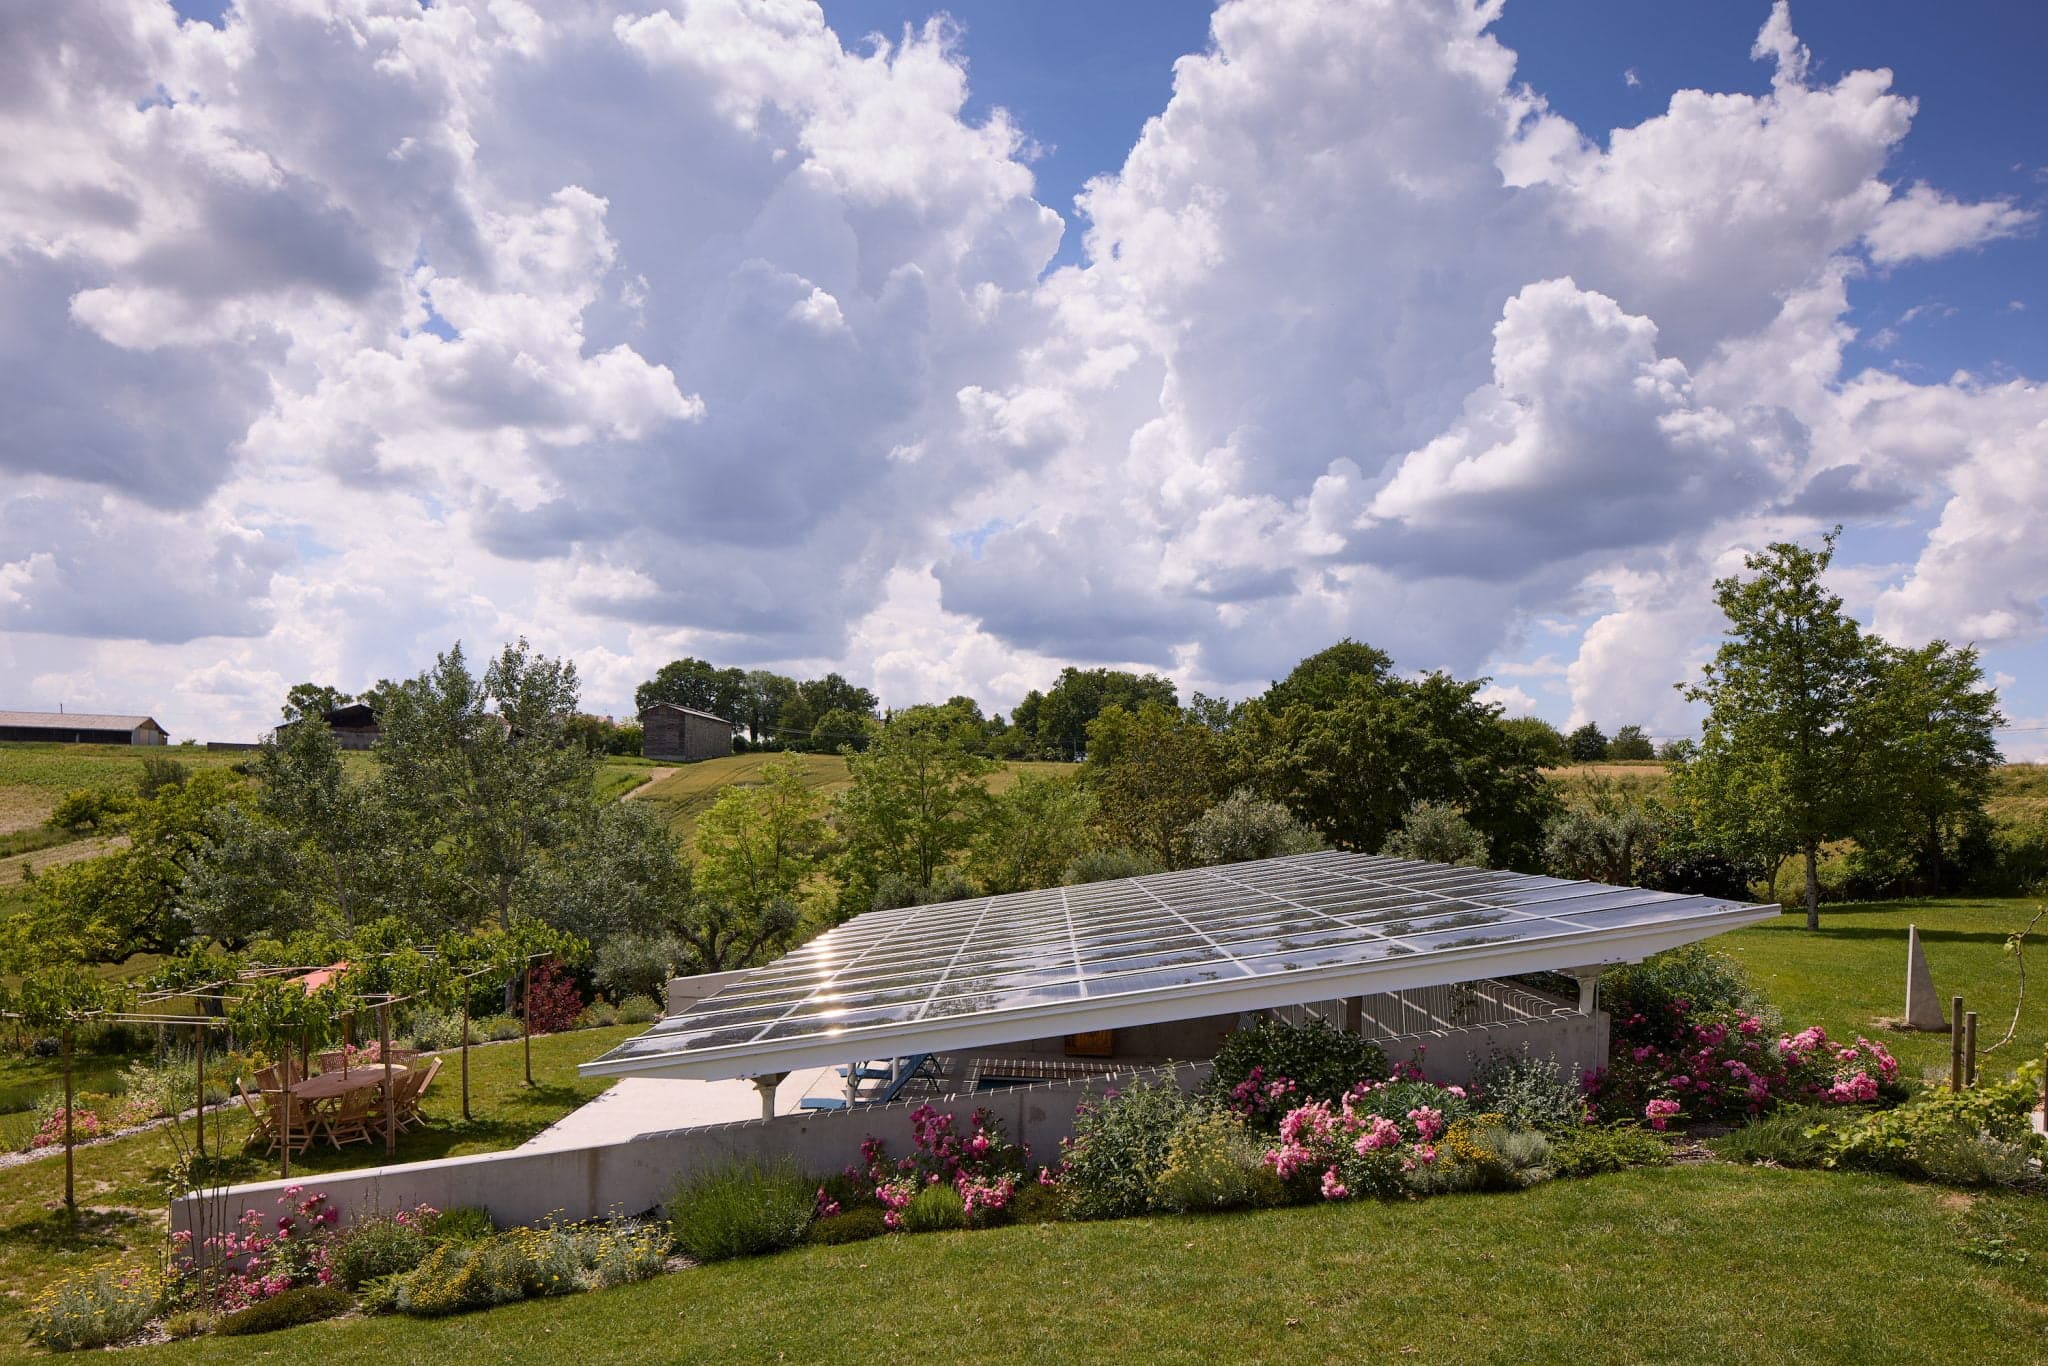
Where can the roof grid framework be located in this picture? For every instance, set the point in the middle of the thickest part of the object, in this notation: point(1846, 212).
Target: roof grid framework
point(1164, 946)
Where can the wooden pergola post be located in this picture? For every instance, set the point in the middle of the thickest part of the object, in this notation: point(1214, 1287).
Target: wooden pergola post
point(199, 1086)
point(526, 1016)
point(70, 1188)
point(465, 1050)
point(384, 1049)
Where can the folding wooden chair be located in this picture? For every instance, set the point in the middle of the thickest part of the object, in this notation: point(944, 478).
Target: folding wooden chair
point(416, 1084)
point(349, 1121)
point(259, 1113)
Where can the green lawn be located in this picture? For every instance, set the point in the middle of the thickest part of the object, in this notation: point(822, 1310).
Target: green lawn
point(121, 1183)
point(1852, 972)
point(1699, 1264)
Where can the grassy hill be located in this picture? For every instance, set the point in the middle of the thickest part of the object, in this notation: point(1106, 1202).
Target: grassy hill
point(689, 790)
point(2018, 791)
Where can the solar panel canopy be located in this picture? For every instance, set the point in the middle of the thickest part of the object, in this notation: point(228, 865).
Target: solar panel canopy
point(1144, 950)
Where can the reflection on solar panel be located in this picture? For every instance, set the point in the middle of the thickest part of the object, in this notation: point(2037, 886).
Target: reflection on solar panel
point(1170, 946)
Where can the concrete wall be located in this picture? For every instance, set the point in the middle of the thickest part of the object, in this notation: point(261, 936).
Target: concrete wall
point(1451, 1056)
point(520, 1187)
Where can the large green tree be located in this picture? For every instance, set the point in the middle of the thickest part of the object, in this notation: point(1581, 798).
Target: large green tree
point(314, 848)
point(698, 684)
point(1153, 773)
point(917, 796)
point(759, 844)
point(1782, 763)
point(1059, 718)
point(1932, 720)
point(1030, 833)
point(487, 772)
point(1361, 746)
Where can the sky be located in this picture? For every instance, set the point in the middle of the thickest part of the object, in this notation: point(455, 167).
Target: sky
point(947, 346)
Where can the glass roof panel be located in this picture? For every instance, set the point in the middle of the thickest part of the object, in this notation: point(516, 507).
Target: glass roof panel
point(1168, 946)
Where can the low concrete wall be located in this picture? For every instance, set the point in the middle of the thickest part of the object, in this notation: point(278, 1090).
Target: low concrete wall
point(520, 1187)
point(1451, 1056)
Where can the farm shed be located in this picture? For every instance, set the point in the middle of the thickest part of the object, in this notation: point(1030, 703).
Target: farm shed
point(671, 732)
point(81, 728)
point(354, 726)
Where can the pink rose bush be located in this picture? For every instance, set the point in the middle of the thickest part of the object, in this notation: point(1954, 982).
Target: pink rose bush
point(1368, 1142)
point(1725, 1065)
point(261, 1254)
point(977, 1163)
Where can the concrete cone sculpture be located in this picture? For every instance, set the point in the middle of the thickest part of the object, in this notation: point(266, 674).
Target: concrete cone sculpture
point(1923, 1007)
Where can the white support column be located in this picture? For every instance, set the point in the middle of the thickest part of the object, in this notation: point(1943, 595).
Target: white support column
point(766, 1084)
point(1589, 986)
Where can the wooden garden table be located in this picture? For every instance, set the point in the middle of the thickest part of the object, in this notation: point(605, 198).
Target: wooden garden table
point(333, 1085)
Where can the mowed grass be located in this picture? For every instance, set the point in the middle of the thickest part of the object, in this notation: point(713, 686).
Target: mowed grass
point(1851, 973)
point(121, 1184)
point(687, 793)
point(1687, 1264)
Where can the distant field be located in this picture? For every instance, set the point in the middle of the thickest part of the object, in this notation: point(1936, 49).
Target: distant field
point(688, 792)
point(34, 777)
point(2018, 791)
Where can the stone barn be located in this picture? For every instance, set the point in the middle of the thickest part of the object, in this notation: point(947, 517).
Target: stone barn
point(81, 728)
point(674, 733)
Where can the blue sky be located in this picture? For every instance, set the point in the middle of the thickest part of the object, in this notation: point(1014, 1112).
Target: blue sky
point(688, 327)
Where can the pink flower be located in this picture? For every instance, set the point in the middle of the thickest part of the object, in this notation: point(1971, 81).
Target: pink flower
point(1333, 1187)
point(1661, 1112)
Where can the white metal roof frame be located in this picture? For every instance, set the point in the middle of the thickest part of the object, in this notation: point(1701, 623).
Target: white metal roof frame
point(1586, 947)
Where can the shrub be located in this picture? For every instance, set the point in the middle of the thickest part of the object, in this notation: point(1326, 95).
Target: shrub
point(434, 1030)
point(1245, 826)
point(307, 1304)
point(1118, 1149)
point(1802, 1136)
point(497, 1028)
point(933, 1209)
point(637, 964)
point(459, 1276)
point(381, 1295)
point(91, 809)
point(1473, 1156)
point(381, 1246)
point(93, 1310)
point(568, 1258)
point(1104, 865)
point(850, 1226)
point(1214, 1162)
point(1676, 984)
point(1272, 1067)
point(552, 1001)
point(978, 1165)
point(1529, 1092)
point(463, 1224)
point(740, 1210)
point(187, 1323)
point(639, 1010)
point(1973, 1137)
point(1037, 1202)
point(1613, 1148)
point(1437, 832)
point(598, 1015)
point(1369, 1142)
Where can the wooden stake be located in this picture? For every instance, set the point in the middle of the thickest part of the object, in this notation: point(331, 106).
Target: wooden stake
point(384, 1048)
point(1955, 1043)
point(526, 1016)
point(284, 1118)
point(70, 1190)
point(465, 1052)
point(199, 1086)
point(1970, 1049)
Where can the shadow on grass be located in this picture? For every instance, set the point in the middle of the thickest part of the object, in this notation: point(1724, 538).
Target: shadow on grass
point(55, 1231)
